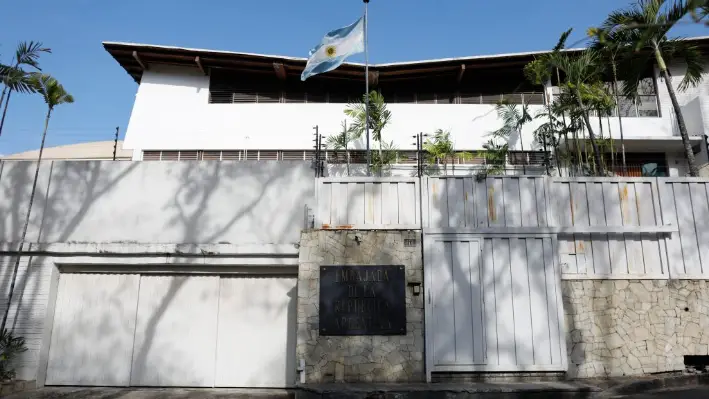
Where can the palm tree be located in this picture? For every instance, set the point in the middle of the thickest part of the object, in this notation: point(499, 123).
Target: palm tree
point(15, 80)
point(699, 9)
point(388, 155)
point(549, 133)
point(581, 72)
point(612, 50)
point(495, 155)
point(513, 120)
point(53, 94)
point(440, 148)
point(341, 141)
point(539, 72)
point(379, 117)
point(27, 53)
point(646, 25)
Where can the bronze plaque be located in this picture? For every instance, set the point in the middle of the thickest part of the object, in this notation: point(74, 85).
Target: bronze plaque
point(362, 300)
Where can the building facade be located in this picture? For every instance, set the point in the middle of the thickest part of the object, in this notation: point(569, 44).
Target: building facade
point(210, 274)
point(194, 104)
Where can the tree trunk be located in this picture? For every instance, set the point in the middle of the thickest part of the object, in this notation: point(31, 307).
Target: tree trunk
point(612, 145)
point(566, 129)
point(594, 145)
point(544, 137)
point(2, 96)
point(4, 111)
point(381, 158)
point(347, 157)
point(688, 152)
point(346, 141)
point(524, 156)
point(620, 118)
point(27, 222)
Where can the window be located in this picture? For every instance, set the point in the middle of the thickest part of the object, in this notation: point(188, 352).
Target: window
point(226, 88)
point(293, 155)
point(640, 165)
point(526, 158)
point(644, 105)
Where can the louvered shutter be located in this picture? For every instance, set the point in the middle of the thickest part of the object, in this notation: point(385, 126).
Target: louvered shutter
point(470, 98)
point(293, 155)
point(170, 156)
point(231, 155)
point(151, 155)
point(211, 155)
point(490, 98)
point(268, 155)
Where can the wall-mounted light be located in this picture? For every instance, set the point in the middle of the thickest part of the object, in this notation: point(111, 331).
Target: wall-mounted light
point(415, 287)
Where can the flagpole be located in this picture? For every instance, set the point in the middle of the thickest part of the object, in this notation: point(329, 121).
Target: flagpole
point(366, 83)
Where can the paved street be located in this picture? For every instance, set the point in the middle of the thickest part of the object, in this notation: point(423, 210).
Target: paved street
point(677, 393)
point(180, 393)
point(135, 393)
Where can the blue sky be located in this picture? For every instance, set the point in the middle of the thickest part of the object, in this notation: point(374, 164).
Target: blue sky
point(400, 30)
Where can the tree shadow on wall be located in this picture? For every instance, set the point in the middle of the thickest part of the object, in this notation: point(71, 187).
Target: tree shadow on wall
point(202, 208)
point(210, 203)
point(515, 294)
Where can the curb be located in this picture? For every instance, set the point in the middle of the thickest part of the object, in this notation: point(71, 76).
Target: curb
point(7, 388)
point(447, 391)
point(637, 387)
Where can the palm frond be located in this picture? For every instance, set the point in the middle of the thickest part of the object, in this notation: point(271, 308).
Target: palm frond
point(440, 147)
point(51, 90)
point(340, 141)
point(16, 79)
point(28, 53)
point(678, 10)
point(623, 18)
point(699, 9)
point(561, 43)
point(379, 115)
point(538, 71)
point(690, 55)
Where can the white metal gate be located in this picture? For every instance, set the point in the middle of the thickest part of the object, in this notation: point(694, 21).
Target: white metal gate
point(493, 303)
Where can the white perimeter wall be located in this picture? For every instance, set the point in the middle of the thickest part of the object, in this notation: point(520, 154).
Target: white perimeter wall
point(108, 213)
point(157, 202)
point(171, 111)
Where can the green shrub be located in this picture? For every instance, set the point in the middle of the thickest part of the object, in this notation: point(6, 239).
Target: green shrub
point(10, 347)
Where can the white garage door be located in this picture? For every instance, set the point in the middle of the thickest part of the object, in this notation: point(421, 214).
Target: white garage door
point(173, 330)
point(94, 323)
point(176, 331)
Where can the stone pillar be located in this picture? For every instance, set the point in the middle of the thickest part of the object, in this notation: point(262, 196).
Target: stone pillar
point(396, 358)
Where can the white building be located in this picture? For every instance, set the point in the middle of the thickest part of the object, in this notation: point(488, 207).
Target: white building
point(90, 151)
point(203, 104)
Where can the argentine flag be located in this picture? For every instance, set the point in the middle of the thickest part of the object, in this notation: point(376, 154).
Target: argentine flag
point(335, 47)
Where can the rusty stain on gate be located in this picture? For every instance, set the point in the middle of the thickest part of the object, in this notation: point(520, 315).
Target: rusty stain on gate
point(491, 204)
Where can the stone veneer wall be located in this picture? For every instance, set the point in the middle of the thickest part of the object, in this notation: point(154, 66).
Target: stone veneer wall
point(359, 358)
point(633, 327)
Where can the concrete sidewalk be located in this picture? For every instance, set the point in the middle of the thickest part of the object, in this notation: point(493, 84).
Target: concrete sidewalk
point(339, 391)
point(448, 391)
point(692, 385)
point(151, 393)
